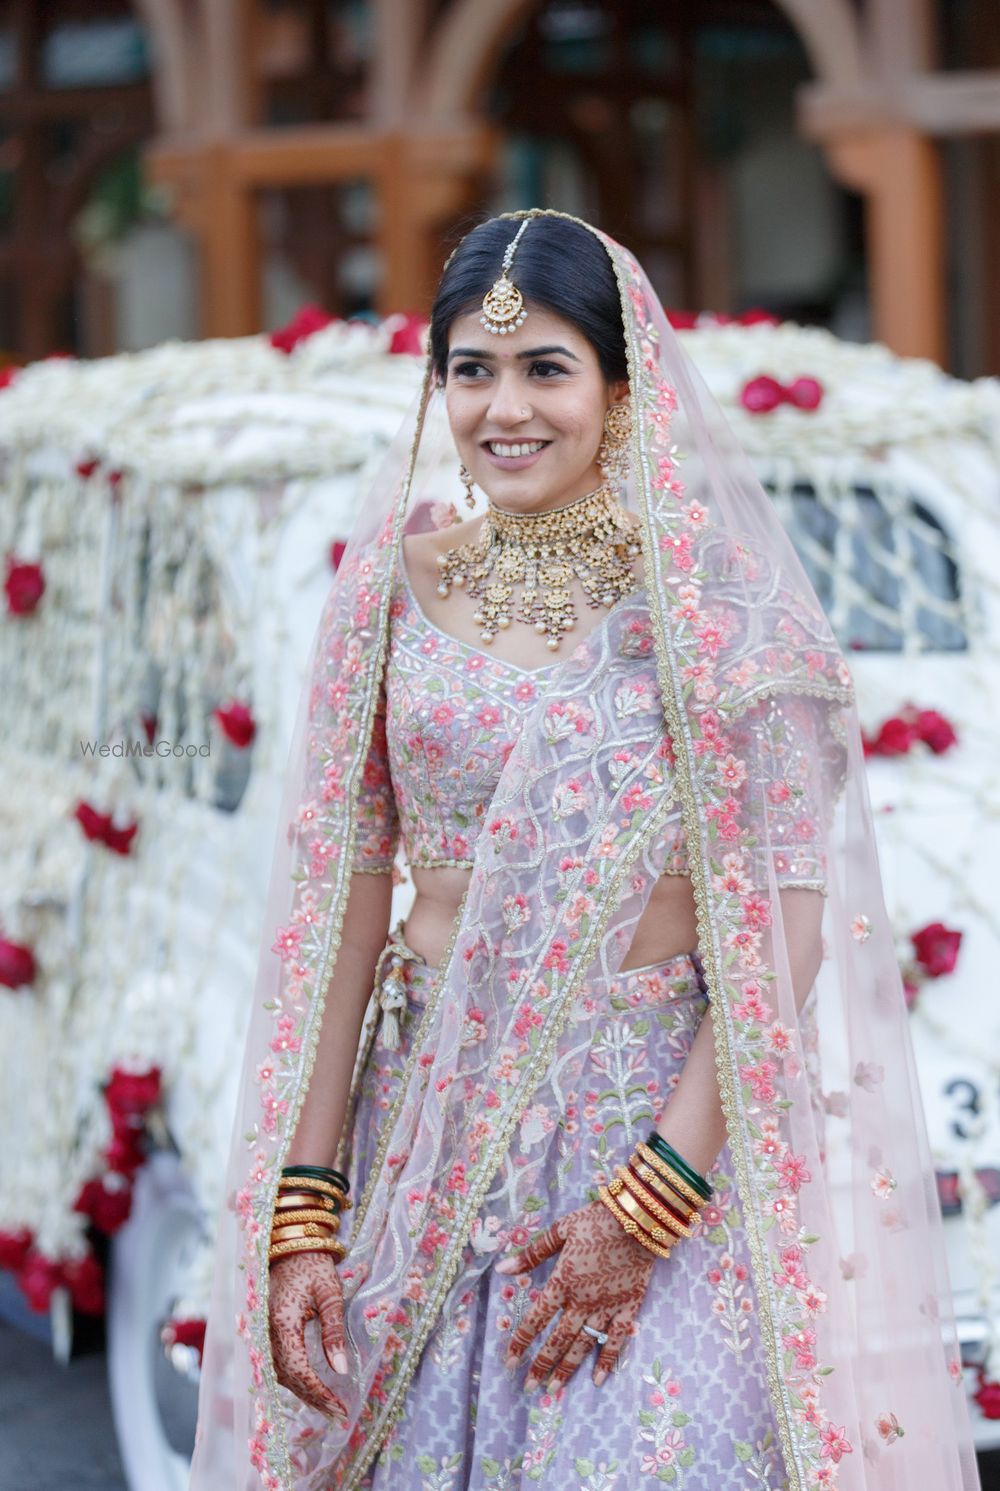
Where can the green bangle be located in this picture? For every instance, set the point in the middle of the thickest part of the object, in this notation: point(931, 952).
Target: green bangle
point(318, 1172)
point(666, 1151)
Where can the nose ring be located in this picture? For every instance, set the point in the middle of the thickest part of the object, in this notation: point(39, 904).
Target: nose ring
point(525, 413)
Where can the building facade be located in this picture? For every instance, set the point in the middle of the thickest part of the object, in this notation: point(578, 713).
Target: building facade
point(183, 167)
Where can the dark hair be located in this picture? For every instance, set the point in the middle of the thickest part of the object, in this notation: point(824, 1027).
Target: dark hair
point(557, 264)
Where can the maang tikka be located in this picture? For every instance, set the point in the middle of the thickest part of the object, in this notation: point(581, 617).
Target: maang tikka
point(503, 303)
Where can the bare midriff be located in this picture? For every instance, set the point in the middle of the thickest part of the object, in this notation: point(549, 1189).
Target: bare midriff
point(666, 928)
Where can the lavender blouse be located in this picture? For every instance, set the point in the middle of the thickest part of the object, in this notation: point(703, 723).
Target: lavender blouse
point(447, 719)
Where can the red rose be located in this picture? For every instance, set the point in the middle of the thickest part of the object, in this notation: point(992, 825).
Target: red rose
point(84, 1278)
point(87, 468)
point(987, 1395)
point(120, 839)
point(100, 827)
point(934, 730)
point(14, 1248)
point(895, 737)
point(94, 824)
point(806, 393)
point(132, 1094)
point(756, 316)
point(337, 552)
point(124, 1153)
point(238, 724)
point(683, 320)
point(8, 375)
point(185, 1333)
point(936, 948)
point(307, 320)
point(24, 585)
point(17, 964)
point(38, 1277)
point(107, 1205)
point(761, 395)
point(911, 988)
point(408, 335)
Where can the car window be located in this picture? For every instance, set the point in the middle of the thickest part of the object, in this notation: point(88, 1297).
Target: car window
point(883, 566)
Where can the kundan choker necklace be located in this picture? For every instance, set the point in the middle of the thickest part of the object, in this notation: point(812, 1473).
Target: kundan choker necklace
point(591, 538)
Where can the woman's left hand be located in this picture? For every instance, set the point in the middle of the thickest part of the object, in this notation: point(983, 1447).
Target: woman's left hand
point(600, 1279)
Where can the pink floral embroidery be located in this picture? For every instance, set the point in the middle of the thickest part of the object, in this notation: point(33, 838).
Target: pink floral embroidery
point(888, 1427)
point(834, 1443)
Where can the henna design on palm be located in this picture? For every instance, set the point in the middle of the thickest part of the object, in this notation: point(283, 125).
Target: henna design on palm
point(304, 1285)
point(600, 1279)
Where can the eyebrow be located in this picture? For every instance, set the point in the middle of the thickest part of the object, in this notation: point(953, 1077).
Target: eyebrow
point(533, 352)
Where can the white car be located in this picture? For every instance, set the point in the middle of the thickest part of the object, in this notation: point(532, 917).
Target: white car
point(182, 504)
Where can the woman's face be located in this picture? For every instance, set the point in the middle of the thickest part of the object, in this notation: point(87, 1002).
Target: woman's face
point(527, 409)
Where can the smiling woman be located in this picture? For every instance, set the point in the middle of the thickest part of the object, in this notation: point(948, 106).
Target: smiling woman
point(537, 406)
point(610, 730)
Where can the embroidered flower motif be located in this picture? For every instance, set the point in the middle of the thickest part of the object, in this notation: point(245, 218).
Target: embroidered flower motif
point(861, 928)
point(634, 698)
point(516, 912)
point(569, 798)
point(869, 1075)
point(834, 1443)
point(792, 1172)
point(888, 1427)
point(854, 1266)
point(883, 1183)
point(502, 831)
point(286, 943)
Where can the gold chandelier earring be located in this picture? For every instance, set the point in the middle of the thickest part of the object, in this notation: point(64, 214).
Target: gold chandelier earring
point(613, 452)
point(465, 478)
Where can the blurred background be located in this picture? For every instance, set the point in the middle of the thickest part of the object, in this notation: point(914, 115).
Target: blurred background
point(199, 167)
point(221, 225)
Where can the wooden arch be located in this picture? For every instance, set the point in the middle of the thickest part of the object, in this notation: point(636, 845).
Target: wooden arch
point(893, 164)
point(465, 48)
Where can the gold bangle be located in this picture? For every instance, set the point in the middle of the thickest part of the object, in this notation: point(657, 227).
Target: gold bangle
point(303, 1229)
point(306, 1245)
point(291, 1200)
point(662, 1188)
point(321, 1187)
point(329, 1220)
point(632, 1228)
point(655, 1208)
point(662, 1168)
point(637, 1211)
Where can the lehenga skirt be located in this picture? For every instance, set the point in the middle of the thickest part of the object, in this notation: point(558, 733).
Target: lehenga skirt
point(687, 1404)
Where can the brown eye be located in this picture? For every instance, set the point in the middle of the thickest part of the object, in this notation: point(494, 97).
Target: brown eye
point(547, 369)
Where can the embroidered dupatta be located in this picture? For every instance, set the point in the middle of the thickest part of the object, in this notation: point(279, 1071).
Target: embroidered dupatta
point(717, 696)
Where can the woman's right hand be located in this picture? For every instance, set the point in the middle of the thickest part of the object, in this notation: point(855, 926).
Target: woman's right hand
point(304, 1285)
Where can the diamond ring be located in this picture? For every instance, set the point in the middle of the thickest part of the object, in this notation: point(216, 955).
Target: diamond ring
point(600, 1337)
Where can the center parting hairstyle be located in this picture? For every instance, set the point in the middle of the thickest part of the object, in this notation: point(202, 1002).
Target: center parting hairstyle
point(559, 266)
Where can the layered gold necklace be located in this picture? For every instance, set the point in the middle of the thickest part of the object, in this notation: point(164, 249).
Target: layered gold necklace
point(591, 538)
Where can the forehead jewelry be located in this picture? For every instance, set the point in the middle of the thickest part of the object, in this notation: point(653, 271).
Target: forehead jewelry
point(503, 303)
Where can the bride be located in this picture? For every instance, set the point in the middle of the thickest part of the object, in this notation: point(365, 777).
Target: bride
point(505, 1207)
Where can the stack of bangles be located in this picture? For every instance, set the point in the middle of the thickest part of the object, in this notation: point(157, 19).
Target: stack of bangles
point(307, 1212)
point(657, 1196)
